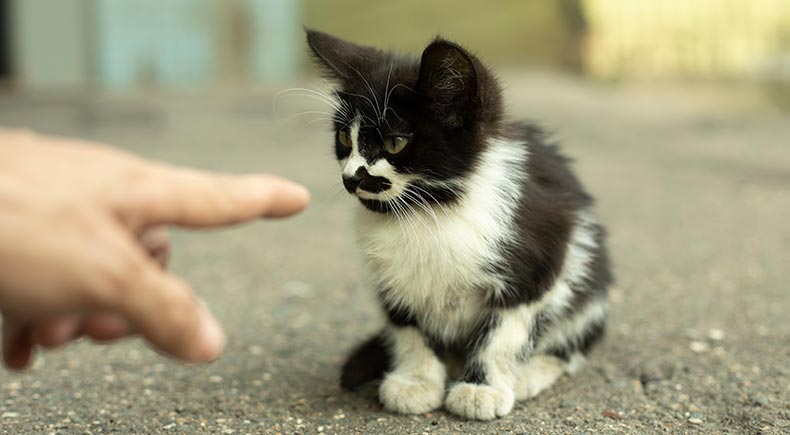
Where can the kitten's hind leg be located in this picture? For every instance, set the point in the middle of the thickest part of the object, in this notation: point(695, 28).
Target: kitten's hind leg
point(563, 349)
point(367, 362)
point(541, 372)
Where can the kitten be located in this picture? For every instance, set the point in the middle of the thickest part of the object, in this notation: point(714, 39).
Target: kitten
point(482, 244)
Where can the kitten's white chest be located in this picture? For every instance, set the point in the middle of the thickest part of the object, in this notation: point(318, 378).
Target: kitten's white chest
point(437, 267)
point(436, 261)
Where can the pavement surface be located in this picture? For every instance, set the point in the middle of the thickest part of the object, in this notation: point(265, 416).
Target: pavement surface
point(693, 184)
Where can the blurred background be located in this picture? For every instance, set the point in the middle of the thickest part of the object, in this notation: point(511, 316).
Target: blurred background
point(675, 111)
point(121, 45)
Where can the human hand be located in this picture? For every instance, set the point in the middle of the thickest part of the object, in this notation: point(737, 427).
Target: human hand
point(83, 250)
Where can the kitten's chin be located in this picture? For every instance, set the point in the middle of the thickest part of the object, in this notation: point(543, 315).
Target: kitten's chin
point(376, 205)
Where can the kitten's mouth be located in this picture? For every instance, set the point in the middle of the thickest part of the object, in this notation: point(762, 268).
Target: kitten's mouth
point(371, 196)
point(380, 202)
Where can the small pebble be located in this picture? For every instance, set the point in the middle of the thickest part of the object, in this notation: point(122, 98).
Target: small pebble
point(759, 400)
point(215, 379)
point(699, 346)
point(716, 335)
point(695, 418)
point(10, 415)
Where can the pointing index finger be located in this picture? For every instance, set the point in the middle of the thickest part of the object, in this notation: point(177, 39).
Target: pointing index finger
point(199, 199)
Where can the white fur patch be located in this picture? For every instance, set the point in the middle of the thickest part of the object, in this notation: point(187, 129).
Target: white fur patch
point(417, 383)
point(354, 161)
point(479, 402)
point(434, 260)
point(500, 355)
point(540, 373)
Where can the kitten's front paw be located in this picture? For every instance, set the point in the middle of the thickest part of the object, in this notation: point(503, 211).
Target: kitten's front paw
point(479, 402)
point(409, 394)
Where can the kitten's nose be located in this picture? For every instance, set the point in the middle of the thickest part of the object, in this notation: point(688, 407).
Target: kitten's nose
point(353, 181)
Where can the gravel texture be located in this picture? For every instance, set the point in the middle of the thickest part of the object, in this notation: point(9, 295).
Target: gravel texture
point(694, 185)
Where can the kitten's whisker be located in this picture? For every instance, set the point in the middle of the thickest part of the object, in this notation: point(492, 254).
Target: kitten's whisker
point(313, 97)
point(370, 89)
point(306, 91)
point(343, 103)
point(340, 190)
point(413, 241)
point(428, 207)
point(399, 220)
point(321, 118)
point(368, 100)
point(416, 213)
point(367, 117)
point(435, 201)
point(434, 237)
point(386, 94)
point(421, 203)
point(387, 98)
point(345, 108)
point(300, 92)
point(393, 112)
point(309, 112)
point(281, 116)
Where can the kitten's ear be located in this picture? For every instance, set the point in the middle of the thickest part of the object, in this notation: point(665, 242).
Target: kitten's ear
point(342, 60)
point(449, 76)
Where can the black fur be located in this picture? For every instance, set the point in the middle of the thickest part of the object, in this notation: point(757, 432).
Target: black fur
point(368, 362)
point(550, 197)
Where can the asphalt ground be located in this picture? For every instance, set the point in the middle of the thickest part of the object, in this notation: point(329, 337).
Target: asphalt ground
point(693, 183)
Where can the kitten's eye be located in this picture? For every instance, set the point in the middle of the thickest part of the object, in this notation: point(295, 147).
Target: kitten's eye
point(395, 144)
point(344, 138)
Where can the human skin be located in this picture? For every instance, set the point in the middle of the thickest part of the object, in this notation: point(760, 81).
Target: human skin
point(83, 245)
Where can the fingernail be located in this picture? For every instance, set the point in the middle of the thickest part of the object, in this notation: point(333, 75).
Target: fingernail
point(304, 193)
point(295, 189)
point(212, 338)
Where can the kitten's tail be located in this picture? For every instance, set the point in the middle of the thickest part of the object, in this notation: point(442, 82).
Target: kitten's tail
point(367, 362)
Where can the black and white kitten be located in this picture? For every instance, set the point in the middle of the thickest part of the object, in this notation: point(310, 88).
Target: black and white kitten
point(482, 245)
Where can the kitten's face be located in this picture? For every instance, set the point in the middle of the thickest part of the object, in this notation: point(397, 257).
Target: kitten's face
point(407, 131)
